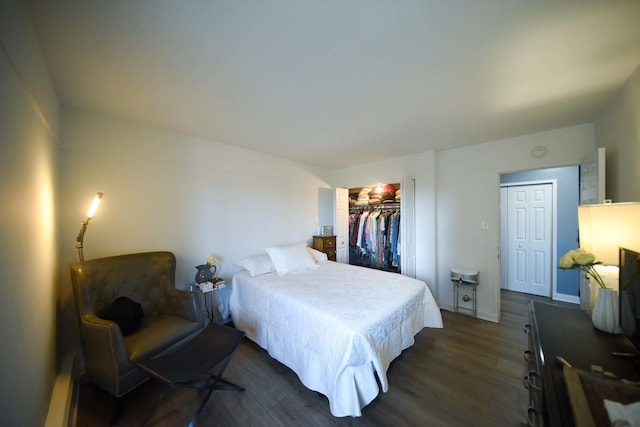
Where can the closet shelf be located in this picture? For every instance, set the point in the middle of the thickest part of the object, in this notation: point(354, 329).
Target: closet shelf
point(392, 205)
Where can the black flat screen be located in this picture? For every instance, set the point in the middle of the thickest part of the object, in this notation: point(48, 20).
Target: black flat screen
point(629, 291)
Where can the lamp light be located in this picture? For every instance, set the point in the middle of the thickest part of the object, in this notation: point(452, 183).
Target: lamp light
point(83, 226)
point(605, 228)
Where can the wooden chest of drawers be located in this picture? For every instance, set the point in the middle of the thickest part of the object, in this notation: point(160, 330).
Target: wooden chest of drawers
point(326, 244)
point(567, 332)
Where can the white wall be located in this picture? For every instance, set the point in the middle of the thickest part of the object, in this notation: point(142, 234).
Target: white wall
point(468, 194)
point(456, 190)
point(420, 167)
point(618, 129)
point(168, 191)
point(28, 251)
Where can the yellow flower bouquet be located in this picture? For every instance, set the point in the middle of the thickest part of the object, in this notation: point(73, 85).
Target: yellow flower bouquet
point(579, 259)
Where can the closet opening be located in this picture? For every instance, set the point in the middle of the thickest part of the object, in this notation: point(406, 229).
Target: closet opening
point(374, 227)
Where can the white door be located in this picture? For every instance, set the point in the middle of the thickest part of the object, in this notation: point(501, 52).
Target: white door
point(341, 224)
point(592, 185)
point(408, 228)
point(504, 238)
point(529, 225)
point(592, 182)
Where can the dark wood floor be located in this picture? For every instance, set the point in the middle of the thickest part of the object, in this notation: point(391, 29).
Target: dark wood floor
point(467, 374)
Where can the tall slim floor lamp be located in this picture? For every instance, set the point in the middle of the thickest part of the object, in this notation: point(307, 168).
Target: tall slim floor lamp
point(85, 223)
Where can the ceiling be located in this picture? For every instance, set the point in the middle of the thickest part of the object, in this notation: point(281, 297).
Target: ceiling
point(336, 83)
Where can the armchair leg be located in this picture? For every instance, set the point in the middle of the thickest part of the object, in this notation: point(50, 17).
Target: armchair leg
point(118, 407)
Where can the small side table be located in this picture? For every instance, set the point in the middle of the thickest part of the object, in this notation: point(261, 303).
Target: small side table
point(326, 244)
point(215, 302)
point(461, 276)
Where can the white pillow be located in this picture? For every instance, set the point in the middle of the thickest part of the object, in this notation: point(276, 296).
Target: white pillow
point(317, 255)
point(291, 259)
point(257, 264)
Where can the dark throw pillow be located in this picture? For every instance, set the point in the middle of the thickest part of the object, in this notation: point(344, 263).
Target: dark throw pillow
point(126, 313)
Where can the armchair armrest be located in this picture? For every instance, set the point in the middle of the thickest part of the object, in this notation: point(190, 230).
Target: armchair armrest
point(185, 304)
point(104, 349)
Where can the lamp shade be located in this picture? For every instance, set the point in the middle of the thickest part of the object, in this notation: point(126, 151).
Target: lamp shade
point(605, 228)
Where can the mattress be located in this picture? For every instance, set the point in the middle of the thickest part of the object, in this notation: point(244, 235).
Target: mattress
point(335, 326)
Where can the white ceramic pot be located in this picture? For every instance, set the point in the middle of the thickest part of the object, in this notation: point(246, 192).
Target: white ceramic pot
point(605, 315)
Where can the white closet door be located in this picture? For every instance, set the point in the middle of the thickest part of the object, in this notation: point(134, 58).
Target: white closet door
point(530, 238)
point(341, 224)
point(592, 178)
point(408, 228)
point(592, 186)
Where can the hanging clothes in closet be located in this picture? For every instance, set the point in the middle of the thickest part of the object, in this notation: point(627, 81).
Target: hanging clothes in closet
point(374, 237)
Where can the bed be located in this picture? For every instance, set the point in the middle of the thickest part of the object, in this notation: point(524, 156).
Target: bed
point(335, 325)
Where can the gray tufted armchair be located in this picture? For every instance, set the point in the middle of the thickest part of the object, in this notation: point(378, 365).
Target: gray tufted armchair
point(172, 317)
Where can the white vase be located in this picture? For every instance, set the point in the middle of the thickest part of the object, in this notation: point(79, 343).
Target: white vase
point(605, 315)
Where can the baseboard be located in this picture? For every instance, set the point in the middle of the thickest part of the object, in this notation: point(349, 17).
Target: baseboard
point(567, 298)
point(481, 315)
point(64, 396)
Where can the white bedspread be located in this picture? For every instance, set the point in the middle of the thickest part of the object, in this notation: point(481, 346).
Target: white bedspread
point(334, 325)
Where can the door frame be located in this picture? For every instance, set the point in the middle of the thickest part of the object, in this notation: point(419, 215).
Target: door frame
point(408, 238)
point(341, 223)
point(504, 264)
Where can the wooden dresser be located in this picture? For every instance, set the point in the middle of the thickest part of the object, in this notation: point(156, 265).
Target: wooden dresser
point(567, 332)
point(326, 244)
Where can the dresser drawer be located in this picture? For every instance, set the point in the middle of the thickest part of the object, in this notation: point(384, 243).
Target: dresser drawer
point(532, 380)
